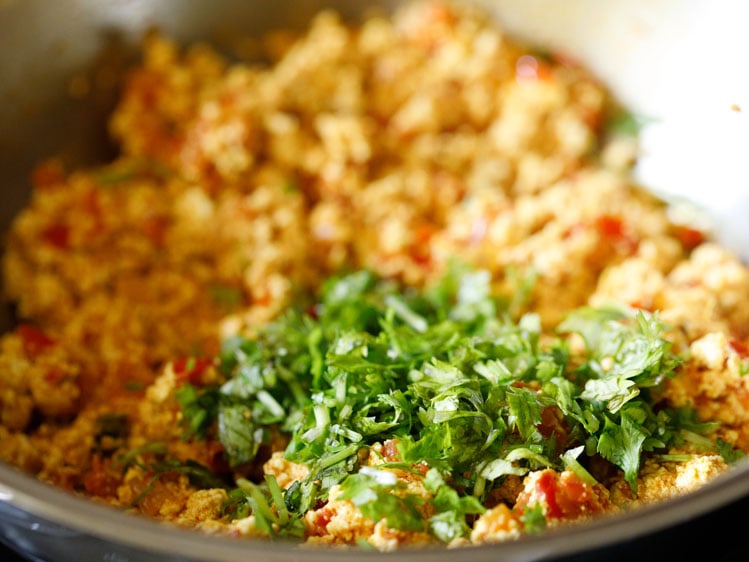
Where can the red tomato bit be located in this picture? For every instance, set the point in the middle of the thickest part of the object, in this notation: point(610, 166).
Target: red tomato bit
point(739, 347)
point(57, 235)
point(548, 489)
point(34, 340)
point(689, 237)
point(614, 229)
point(190, 369)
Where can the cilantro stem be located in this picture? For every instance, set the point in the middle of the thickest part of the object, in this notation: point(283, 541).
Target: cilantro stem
point(322, 421)
point(571, 462)
point(675, 458)
point(338, 456)
point(277, 497)
point(271, 403)
point(696, 439)
point(479, 486)
point(402, 311)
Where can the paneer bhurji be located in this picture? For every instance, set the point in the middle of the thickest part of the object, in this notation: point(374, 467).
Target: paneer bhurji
point(393, 286)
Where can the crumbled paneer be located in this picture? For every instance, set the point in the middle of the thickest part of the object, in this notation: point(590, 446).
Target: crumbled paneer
point(496, 525)
point(285, 471)
point(666, 480)
point(337, 522)
point(202, 505)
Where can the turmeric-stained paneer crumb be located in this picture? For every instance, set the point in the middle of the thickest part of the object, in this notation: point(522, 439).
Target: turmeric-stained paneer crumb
point(497, 525)
point(337, 522)
point(284, 471)
point(202, 506)
point(666, 480)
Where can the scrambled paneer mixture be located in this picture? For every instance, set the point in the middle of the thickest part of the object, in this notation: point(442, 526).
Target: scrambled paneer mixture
point(393, 287)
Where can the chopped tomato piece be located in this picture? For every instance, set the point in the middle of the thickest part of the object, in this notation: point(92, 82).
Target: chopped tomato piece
point(689, 237)
point(322, 518)
point(34, 340)
point(54, 376)
point(739, 347)
point(57, 235)
point(547, 487)
point(563, 496)
point(190, 369)
point(610, 226)
point(614, 229)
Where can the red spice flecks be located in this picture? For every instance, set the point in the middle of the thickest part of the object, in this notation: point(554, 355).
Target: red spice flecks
point(615, 230)
point(155, 229)
point(421, 467)
point(689, 237)
point(54, 376)
point(739, 347)
point(264, 298)
point(642, 305)
point(34, 340)
point(191, 369)
point(390, 450)
point(57, 235)
point(422, 237)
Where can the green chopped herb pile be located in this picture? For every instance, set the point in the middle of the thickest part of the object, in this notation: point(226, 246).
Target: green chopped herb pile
point(445, 373)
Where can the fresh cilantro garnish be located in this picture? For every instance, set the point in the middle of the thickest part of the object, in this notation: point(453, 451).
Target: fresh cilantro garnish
point(454, 380)
point(199, 409)
point(533, 519)
point(154, 458)
point(730, 454)
point(451, 508)
point(380, 495)
point(266, 503)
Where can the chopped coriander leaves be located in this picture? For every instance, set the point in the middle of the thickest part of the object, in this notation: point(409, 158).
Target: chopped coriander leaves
point(447, 375)
point(154, 459)
point(266, 503)
point(533, 519)
point(730, 454)
point(380, 495)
